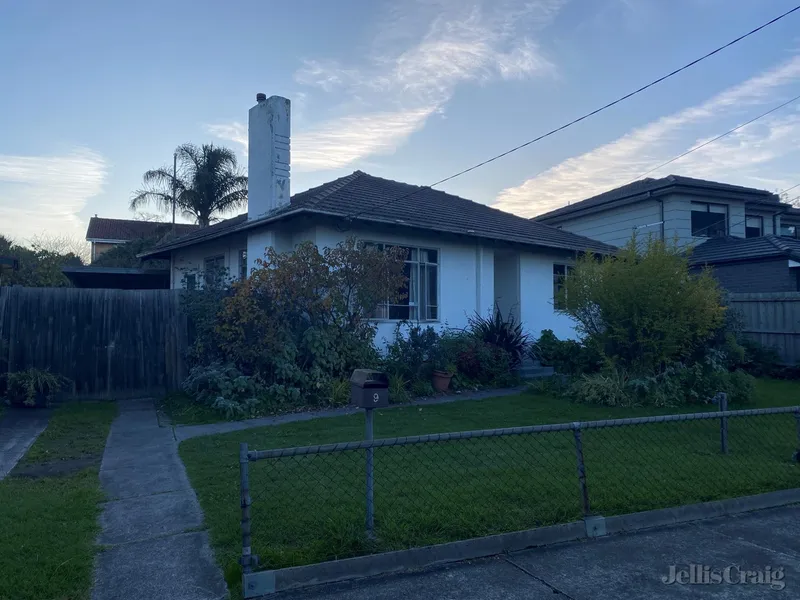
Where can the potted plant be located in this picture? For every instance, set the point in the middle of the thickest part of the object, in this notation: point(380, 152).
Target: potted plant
point(443, 368)
point(33, 387)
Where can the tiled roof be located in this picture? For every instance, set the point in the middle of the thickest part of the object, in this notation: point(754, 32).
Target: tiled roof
point(366, 198)
point(128, 229)
point(658, 187)
point(731, 249)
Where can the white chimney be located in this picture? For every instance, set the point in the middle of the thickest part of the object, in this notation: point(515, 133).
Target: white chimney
point(268, 160)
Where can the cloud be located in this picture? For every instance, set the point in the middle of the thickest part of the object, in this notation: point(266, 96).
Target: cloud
point(638, 151)
point(412, 72)
point(45, 193)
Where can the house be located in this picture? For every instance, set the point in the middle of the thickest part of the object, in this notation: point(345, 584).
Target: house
point(463, 256)
point(674, 207)
point(104, 234)
point(768, 263)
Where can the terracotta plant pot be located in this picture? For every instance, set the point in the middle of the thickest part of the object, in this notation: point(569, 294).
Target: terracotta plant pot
point(441, 380)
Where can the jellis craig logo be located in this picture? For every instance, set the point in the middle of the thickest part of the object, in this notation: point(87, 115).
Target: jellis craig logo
point(731, 575)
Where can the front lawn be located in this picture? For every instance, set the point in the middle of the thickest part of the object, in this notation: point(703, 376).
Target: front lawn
point(49, 507)
point(310, 509)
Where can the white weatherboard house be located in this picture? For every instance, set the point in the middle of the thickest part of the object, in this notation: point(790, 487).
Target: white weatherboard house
point(463, 256)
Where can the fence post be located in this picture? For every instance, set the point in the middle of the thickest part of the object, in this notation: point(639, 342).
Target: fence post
point(723, 422)
point(797, 421)
point(370, 521)
point(244, 491)
point(581, 469)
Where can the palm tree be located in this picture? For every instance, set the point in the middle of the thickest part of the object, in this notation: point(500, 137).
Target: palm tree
point(208, 183)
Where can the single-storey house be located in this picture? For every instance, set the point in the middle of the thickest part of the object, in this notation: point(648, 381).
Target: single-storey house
point(464, 257)
point(768, 263)
point(104, 234)
point(675, 207)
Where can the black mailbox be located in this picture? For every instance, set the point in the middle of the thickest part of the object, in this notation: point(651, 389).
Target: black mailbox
point(369, 389)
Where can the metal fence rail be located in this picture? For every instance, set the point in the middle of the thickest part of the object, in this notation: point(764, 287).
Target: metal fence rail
point(328, 501)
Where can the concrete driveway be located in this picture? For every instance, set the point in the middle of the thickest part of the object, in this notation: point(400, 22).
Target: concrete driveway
point(763, 548)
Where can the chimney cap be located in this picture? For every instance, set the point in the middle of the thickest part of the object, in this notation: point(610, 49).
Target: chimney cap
point(260, 97)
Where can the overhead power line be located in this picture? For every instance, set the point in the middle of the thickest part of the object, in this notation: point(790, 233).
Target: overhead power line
point(585, 116)
point(719, 137)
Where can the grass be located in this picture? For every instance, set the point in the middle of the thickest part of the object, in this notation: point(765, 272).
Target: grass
point(182, 410)
point(49, 523)
point(310, 509)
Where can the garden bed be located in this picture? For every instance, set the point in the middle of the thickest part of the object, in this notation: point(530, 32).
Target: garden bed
point(50, 507)
point(299, 534)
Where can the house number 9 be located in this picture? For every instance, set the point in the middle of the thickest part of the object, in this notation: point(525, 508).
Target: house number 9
point(375, 397)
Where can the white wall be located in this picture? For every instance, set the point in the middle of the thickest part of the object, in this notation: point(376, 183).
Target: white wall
point(506, 283)
point(536, 297)
point(616, 226)
point(192, 259)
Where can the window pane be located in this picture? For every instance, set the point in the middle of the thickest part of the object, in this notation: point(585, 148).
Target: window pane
point(433, 285)
point(719, 209)
point(706, 224)
point(423, 291)
point(699, 207)
point(399, 313)
point(788, 230)
point(430, 256)
point(433, 313)
point(559, 270)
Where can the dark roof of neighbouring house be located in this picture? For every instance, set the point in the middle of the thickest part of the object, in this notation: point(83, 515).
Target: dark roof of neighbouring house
point(650, 187)
point(129, 229)
point(733, 249)
point(117, 278)
point(366, 198)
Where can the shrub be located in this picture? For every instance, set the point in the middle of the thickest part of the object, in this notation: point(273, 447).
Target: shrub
point(340, 392)
point(759, 360)
point(567, 357)
point(604, 389)
point(642, 309)
point(408, 355)
point(226, 389)
point(33, 387)
point(502, 333)
point(398, 389)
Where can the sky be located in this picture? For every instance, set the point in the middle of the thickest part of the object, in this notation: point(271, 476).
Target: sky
point(94, 93)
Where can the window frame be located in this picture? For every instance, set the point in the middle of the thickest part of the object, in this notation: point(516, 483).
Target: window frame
point(206, 270)
point(708, 206)
point(242, 256)
point(760, 228)
point(559, 284)
point(417, 304)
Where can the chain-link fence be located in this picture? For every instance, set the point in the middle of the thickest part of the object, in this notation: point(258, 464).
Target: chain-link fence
point(317, 503)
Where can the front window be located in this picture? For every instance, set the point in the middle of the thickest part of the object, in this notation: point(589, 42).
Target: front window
point(421, 302)
point(214, 267)
point(560, 273)
point(243, 264)
point(754, 226)
point(709, 220)
point(789, 230)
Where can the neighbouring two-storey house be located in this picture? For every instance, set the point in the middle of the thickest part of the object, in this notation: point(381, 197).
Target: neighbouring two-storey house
point(463, 257)
point(719, 221)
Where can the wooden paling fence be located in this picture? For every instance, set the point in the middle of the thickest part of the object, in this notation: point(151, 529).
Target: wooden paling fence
point(772, 319)
point(107, 342)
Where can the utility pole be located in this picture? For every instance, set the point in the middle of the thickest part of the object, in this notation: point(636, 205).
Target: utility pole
point(174, 186)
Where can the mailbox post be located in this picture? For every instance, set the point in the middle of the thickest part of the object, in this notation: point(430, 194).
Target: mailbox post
point(369, 390)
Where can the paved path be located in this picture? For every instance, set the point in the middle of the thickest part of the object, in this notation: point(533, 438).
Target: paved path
point(19, 428)
point(625, 567)
point(184, 432)
point(151, 520)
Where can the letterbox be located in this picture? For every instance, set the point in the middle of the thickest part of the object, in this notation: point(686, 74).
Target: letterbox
point(369, 389)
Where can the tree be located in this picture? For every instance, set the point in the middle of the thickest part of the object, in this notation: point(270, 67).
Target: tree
point(643, 309)
point(62, 244)
point(208, 183)
point(38, 267)
point(127, 255)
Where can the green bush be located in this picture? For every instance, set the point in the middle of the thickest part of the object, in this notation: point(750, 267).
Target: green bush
point(642, 309)
point(567, 357)
point(225, 389)
point(408, 355)
point(604, 389)
point(398, 389)
point(33, 387)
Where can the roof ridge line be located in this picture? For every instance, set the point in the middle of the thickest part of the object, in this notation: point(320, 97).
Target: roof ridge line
point(336, 186)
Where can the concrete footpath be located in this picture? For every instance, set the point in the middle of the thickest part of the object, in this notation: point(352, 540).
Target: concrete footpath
point(184, 432)
point(19, 428)
point(642, 566)
point(151, 521)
